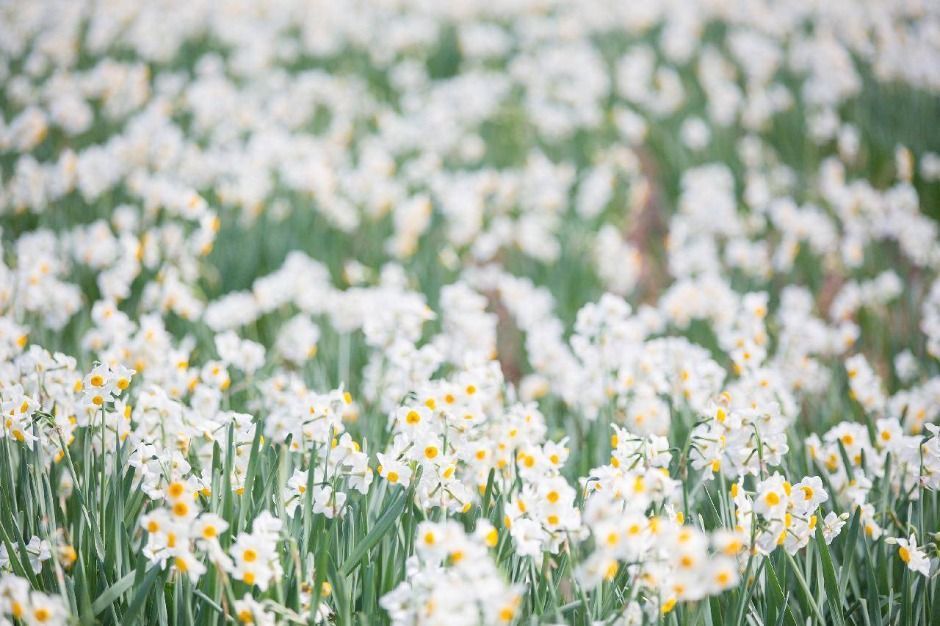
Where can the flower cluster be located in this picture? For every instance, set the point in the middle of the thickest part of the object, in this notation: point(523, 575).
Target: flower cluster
point(778, 513)
point(638, 534)
point(19, 602)
point(294, 295)
point(452, 579)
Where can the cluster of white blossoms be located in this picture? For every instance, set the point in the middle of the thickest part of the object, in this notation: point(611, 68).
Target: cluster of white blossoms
point(452, 579)
point(632, 511)
point(621, 296)
point(19, 603)
point(785, 513)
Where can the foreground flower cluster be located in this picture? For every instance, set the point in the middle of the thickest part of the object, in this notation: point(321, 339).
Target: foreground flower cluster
point(469, 313)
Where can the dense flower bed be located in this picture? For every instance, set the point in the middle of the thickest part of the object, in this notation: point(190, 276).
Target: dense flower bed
point(522, 312)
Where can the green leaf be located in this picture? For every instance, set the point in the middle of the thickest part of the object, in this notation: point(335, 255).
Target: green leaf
point(776, 596)
point(382, 526)
point(873, 599)
point(137, 602)
point(340, 594)
point(849, 544)
point(808, 598)
point(112, 593)
point(833, 598)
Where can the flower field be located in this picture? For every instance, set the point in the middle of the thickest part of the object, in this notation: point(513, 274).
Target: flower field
point(404, 312)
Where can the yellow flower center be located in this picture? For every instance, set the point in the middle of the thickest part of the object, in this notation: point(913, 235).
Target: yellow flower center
point(611, 570)
point(905, 554)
